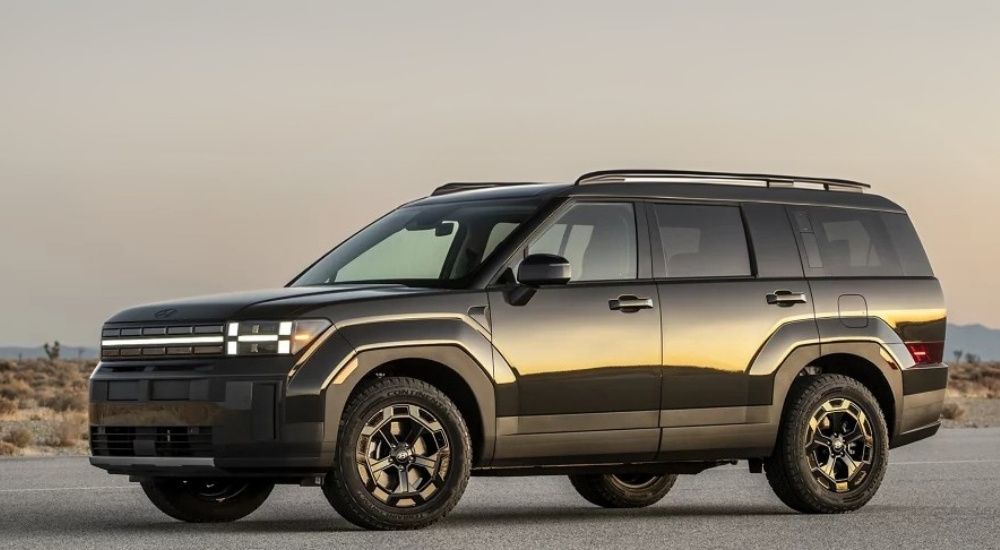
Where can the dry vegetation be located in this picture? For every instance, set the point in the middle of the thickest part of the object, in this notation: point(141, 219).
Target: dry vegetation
point(43, 407)
point(975, 380)
point(43, 403)
point(973, 395)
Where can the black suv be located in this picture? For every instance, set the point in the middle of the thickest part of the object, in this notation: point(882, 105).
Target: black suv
point(621, 330)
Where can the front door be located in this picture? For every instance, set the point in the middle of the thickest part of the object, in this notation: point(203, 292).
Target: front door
point(586, 355)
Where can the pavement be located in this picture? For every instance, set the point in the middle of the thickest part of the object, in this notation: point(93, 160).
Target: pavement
point(942, 493)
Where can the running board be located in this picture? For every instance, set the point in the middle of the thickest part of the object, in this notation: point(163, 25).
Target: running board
point(658, 468)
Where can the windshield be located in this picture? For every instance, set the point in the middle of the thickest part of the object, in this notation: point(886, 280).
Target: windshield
point(435, 245)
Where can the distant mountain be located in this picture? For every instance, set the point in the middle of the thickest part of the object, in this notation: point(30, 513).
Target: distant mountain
point(975, 339)
point(67, 352)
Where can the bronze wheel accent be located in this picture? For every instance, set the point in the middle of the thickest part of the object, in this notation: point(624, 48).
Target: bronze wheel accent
point(403, 455)
point(215, 491)
point(635, 481)
point(840, 445)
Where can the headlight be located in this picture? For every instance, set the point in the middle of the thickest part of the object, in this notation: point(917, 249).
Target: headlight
point(272, 337)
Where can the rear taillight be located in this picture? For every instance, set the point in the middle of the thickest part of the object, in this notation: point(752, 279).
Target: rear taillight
point(926, 352)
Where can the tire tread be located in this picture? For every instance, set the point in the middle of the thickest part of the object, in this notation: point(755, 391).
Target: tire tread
point(601, 491)
point(780, 468)
point(350, 506)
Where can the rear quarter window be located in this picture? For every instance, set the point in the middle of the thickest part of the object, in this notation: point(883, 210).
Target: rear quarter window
point(842, 242)
point(908, 246)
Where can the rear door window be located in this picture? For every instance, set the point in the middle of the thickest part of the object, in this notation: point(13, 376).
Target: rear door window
point(700, 241)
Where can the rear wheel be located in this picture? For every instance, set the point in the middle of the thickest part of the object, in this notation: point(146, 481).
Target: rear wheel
point(832, 448)
point(206, 500)
point(403, 459)
point(623, 490)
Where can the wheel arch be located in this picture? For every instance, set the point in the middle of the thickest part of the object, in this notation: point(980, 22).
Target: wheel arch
point(866, 372)
point(865, 361)
point(442, 377)
point(447, 367)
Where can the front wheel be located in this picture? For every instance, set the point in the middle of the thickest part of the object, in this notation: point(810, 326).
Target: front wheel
point(832, 449)
point(404, 456)
point(623, 490)
point(206, 500)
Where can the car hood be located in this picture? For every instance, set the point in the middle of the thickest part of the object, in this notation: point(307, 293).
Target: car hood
point(278, 302)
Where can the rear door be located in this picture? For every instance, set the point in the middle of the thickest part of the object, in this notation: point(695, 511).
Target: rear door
point(719, 305)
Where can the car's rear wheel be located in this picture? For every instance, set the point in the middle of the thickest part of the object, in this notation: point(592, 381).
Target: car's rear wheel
point(206, 500)
point(833, 446)
point(403, 459)
point(623, 490)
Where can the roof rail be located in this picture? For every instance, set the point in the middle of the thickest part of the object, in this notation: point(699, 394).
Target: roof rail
point(684, 176)
point(458, 186)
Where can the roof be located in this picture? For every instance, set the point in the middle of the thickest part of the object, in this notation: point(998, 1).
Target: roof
point(680, 185)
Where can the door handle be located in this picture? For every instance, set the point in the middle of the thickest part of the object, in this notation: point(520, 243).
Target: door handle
point(630, 304)
point(786, 298)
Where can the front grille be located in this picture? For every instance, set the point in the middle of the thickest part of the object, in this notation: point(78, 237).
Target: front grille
point(144, 441)
point(162, 342)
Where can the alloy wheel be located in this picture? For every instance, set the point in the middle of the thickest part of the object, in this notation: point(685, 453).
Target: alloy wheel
point(635, 481)
point(216, 491)
point(403, 455)
point(840, 445)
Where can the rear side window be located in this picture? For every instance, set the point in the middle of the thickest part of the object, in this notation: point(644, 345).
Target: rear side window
point(841, 242)
point(907, 244)
point(701, 241)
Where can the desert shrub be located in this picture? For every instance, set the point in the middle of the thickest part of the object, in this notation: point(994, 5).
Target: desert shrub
point(65, 401)
point(6, 449)
point(16, 390)
point(18, 437)
point(7, 406)
point(992, 386)
point(953, 411)
point(69, 432)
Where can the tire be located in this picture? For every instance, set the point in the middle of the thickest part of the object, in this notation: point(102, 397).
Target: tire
point(206, 501)
point(398, 429)
point(809, 470)
point(623, 491)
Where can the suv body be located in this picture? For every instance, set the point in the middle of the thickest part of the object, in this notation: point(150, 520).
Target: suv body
point(622, 330)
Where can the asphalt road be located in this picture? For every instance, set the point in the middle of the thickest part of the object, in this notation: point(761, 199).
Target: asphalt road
point(943, 493)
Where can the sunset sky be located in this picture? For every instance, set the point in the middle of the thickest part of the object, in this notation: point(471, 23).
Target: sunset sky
point(155, 150)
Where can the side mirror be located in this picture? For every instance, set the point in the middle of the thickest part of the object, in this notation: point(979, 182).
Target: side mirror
point(544, 269)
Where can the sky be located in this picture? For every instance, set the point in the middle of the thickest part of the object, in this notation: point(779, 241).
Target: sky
point(158, 150)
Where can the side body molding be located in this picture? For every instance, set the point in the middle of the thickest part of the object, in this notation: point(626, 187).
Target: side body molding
point(357, 348)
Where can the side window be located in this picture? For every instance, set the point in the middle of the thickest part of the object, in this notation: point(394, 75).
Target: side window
point(907, 244)
point(841, 242)
point(598, 239)
point(701, 241)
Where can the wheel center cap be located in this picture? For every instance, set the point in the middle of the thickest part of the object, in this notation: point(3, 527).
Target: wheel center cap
point(838, 444)
point(402, 454)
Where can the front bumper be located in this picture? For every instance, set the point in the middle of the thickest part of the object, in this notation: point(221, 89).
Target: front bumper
point(924, 388)
point(187, 418)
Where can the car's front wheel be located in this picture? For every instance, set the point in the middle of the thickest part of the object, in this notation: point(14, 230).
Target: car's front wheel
point(404, 456)
point(833, 446)
point(206, 500)
point(623, 490)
